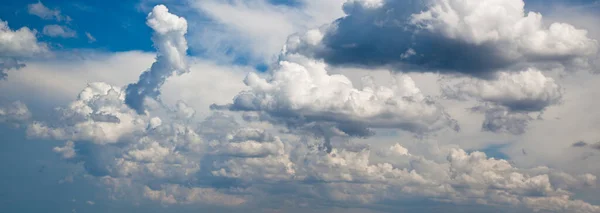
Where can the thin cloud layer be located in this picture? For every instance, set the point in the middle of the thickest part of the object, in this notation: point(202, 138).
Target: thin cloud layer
point(40, 10)
point(508, 99)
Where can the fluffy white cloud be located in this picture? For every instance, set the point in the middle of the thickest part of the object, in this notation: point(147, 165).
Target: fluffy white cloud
point(67, 151)
point(528, 90)
point(169, 40)
point(16, 45)
point(172, 155)
point(509, 98)
point(505, 23)
point(55, 30)
point(303, 92)
point(19, 43)
point(173, 152)
point(99, 115)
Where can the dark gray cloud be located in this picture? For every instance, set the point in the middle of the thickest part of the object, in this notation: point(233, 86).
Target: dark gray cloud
point(462, 38)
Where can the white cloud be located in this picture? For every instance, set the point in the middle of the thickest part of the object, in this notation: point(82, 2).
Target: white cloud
point(14, 112)
point(40, 10)
point(304, 92)
point(508, 99)
point(67, 151)
point(19, 43)
point(169, 41)
point(54, 30)
point(528, 90)
point(507, 26)
point(491, 35)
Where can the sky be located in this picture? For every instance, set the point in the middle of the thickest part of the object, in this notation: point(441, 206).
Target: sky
point(361, 106)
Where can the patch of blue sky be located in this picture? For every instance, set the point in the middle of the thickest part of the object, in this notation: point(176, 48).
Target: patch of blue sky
point(495, 151)
point(115, 25)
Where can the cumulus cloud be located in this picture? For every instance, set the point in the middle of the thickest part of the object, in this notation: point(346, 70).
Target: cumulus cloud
point(16, 45)
point(67, 151)
point(19, 43)
point(169, 41)
point(175, 162)
point(528, 90)
point(40, 10)
point(99, 115)
point(469, 37)
point(54, 30)
point(16, 112)
point(303, 92)
point(509, 98)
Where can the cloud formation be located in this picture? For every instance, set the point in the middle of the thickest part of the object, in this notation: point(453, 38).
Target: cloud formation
point(509, 98)
point(54, 30)
point(16, 45)
point(171, 45)
point(473, 38)
point(40, 10)
point(16, 112)
point(303, 93)
point(163, 157)
point(261, 148)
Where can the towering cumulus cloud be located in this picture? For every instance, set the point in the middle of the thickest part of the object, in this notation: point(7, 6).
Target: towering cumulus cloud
point(468, 37)
point(171, 46)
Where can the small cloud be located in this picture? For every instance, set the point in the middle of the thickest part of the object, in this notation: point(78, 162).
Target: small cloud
point(40, 10)
point(59, 31)
point(91, 203)
point(91, 39)
point(579, 144)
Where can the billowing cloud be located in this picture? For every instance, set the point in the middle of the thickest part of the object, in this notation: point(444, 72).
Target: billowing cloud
point(509, 98)
point(40, 10)
point(67, 151)
point(172, 161)
point(300, 93)
point(16, 45)
point(469, 37)
point(169, 41)
point(55, 30)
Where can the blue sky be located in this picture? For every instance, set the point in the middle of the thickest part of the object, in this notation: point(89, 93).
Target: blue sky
point(299, 106)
